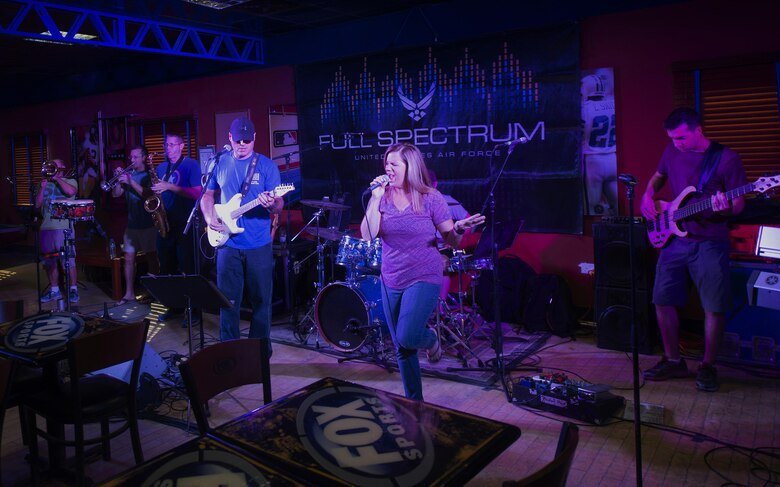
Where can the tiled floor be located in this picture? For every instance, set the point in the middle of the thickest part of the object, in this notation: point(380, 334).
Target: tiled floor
point(707, 439)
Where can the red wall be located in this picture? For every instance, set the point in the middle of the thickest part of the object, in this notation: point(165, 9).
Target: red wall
point(254, 90)
point(641, 47)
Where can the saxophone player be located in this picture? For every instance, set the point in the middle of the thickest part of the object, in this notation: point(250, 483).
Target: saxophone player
point(179, 186)
point(140, 235)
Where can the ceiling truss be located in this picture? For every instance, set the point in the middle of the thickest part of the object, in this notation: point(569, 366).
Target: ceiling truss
point(45, 22)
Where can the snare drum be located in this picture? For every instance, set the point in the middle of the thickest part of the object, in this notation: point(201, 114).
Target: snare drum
point(352, 252)
point(78, 210)
point(346, 312)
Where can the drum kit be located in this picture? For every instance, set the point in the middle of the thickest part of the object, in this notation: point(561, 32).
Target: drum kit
point(349, 315)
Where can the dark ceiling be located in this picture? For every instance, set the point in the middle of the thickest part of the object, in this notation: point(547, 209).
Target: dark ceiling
point(293, 32)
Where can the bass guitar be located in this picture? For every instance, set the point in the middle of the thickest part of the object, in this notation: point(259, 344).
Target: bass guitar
point(665, 224)
point(231, 211)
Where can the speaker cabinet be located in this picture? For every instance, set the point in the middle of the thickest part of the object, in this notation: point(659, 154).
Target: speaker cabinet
point(611, 256)
point(613, 320)
point(151, 363)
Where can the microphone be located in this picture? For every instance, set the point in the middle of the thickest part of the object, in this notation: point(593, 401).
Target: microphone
point(627, 179)
point(225, 149)
point(8, 178)
point(384, 180)
point(514, 143)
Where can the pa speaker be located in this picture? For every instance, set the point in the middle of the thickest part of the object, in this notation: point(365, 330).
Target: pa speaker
point(613, 320)
point(151, 363)
point(612, 257)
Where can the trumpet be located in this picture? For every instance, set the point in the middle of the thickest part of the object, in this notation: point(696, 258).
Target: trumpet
point(109, 185)
point(50, 168)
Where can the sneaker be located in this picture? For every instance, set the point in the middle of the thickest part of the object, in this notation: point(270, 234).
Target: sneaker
point(51, 295)
point(665, 369)
point(707, 378)
point(434, 353)
point(73, 296)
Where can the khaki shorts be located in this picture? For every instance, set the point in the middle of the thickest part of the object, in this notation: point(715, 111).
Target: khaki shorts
point(140, 240)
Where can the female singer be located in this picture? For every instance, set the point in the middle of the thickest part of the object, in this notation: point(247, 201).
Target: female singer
point(405, 212)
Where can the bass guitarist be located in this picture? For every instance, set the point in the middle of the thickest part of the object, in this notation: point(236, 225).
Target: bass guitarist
point(247, 257)
point(691, 159)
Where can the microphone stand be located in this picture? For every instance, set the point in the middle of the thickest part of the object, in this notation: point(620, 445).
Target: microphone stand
point(194, 216)
point(630, 182)
point(498, 366)
point(37, 231)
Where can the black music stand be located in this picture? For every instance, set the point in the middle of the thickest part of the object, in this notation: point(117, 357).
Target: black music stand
point(179, 291)
point(506, 232)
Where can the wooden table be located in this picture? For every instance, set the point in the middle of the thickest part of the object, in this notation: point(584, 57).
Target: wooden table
point(334, 432)
point(202, 461)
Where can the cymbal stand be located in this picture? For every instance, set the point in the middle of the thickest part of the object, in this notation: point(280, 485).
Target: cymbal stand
point(454, 324)
point(308, 325)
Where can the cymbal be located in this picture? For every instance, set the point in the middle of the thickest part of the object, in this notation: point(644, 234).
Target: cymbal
point(325, 205)
point(327, 233)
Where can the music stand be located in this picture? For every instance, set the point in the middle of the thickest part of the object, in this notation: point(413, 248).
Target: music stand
point(179, 291)
point(506, 232)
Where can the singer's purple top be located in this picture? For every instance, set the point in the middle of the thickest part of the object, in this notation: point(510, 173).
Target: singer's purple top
point(409, 253)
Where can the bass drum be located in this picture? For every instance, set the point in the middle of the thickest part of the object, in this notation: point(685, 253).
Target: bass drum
point(346, 312)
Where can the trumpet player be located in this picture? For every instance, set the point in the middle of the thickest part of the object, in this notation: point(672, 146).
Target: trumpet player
point(55, 186)
point(140, 235)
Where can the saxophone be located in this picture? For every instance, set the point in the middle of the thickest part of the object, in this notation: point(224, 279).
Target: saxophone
point(154, 204)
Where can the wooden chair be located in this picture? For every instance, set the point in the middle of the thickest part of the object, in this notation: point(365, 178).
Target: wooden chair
point(6, 366)
point(91, 398)
point(223, 366)
point(555, 473)
point(11, 310)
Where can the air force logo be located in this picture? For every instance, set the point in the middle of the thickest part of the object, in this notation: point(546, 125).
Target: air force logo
point(416, 110)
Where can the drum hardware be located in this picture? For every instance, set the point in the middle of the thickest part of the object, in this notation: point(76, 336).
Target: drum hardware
point(307, 326)
point(456, 323)
point(359, 256)
point(350, 317)
point(324, 205)
point(326, 233)
point(452, 337)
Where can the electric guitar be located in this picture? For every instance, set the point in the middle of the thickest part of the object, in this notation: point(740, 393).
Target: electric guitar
point(664, 226)
point(230, 212)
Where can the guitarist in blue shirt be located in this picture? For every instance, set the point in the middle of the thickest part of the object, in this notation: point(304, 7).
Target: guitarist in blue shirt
point(692, 161)
point(246, 257)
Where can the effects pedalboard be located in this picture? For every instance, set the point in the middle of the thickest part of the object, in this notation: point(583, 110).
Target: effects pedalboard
point(557, 394)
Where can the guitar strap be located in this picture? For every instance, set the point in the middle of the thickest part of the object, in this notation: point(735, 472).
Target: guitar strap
point(250, 171)
point(711, 161)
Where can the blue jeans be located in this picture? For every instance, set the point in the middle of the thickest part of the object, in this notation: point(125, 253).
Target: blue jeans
point(407, 311)
point(253, 268)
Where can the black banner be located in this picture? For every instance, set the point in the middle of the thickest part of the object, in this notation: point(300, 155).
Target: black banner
point(461, 105)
